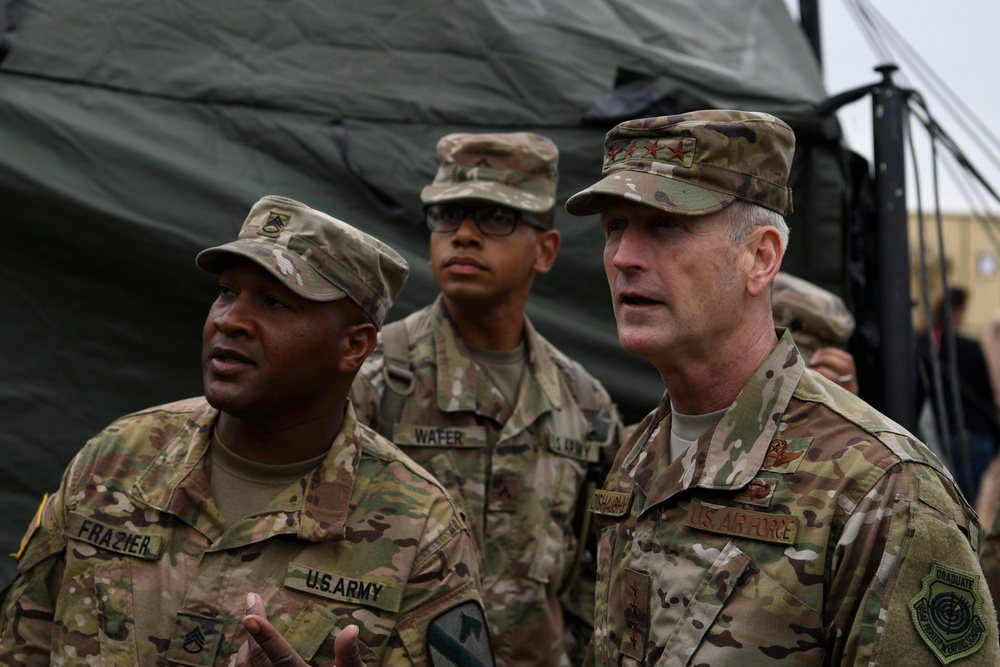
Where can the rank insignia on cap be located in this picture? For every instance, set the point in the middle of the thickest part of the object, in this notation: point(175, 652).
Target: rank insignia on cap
point(948, 613)
point(460, 638)
point(275, 223)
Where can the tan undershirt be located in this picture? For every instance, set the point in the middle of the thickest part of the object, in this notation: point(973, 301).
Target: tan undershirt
point(241, 487)
point(504, 369)
point(686, 429)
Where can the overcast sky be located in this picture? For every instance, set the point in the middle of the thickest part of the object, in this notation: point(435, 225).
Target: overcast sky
point(956, 41)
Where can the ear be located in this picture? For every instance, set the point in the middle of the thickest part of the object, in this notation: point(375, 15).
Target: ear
point(765, 255)
point(358, 342)
point(546, 251)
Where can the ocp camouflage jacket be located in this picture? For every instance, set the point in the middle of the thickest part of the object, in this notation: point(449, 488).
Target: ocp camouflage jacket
point(131, 562)
point(804, 529)
point(518, 475)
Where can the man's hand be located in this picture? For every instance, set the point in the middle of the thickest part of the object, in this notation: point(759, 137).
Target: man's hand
point(265, 647)
point(837, 365)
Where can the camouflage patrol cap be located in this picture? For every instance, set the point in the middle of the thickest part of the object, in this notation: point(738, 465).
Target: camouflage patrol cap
point(518, 170)
point(316, 256)
point(694, 163)
point(816, 317)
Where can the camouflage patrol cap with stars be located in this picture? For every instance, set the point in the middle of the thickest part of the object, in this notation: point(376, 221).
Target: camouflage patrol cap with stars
point(518, 170)
point(694, 163)
point(317, 256)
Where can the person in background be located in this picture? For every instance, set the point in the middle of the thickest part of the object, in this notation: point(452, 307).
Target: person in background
point(178, 530)
point(820, 324)
point(514, 429)
point(970, 455)
point(761, 514)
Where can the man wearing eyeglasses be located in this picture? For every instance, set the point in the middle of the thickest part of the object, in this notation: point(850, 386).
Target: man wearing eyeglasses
point(514, 429)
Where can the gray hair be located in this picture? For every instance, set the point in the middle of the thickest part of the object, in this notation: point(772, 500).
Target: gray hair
point(743, 217)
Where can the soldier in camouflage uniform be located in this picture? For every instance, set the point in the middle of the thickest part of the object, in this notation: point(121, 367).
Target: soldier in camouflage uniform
point(820, 324)
point(761, 514)
point(514, 429)
point(147, 552)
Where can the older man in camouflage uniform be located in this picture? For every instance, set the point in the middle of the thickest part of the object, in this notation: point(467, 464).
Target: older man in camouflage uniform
point(514, 429)
point(269, 484)
point(761, 515)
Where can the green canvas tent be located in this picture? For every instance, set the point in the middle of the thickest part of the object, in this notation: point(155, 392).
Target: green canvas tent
point(134, 133)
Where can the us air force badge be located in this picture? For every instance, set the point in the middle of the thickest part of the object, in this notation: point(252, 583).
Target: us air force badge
point(948, 613)
point(460, 637)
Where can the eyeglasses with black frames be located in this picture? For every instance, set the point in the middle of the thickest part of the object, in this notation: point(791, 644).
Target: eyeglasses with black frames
point(491, 220)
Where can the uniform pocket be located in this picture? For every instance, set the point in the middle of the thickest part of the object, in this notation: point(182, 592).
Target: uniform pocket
point(740, 609)
point(115, 612)
point(556, 542)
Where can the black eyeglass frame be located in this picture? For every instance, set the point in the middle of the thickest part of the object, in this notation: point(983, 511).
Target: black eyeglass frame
point(466, 211)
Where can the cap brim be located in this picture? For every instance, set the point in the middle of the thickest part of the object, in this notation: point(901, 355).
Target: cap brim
point(490, 191)
point(287, 267)
point(655, 190)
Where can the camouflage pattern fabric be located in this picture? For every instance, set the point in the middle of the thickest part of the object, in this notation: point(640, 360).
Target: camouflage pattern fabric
point(804, 529)
point(517, 169)
point(132, 563)
point(695, 163)
point(815, 316)
point(316, 256)
point(518, 476)
point(988, 508)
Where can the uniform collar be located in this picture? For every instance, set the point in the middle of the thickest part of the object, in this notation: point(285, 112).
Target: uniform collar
point(463, 387)
point(314, 509)
point(729, 456)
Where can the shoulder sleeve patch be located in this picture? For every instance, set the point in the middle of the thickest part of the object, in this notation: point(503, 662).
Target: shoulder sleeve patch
point(460, 637)
point(32, 527)
point(948, 612)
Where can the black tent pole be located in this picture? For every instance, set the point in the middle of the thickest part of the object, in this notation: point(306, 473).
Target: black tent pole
point(895, 358)
point(809, 19)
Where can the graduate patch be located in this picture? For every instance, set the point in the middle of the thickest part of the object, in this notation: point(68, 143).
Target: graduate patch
point(459, 637)
point(763, 526)
point(345, 589)
point(948, 613)
point(112, 538)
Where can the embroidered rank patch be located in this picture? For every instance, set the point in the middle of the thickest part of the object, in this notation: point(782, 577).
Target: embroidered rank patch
point(785, 454)
point(635, 614)
point(410, 435)
point(581, 450)
point(610, 503)
point(274, 225)
point(32, 527)
point(758, 492)
point(196, 640)
point(948, 613)
point(748, 524)
point(459, 637)
point(505, 491)
point(345, 589)
point(112, 538)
